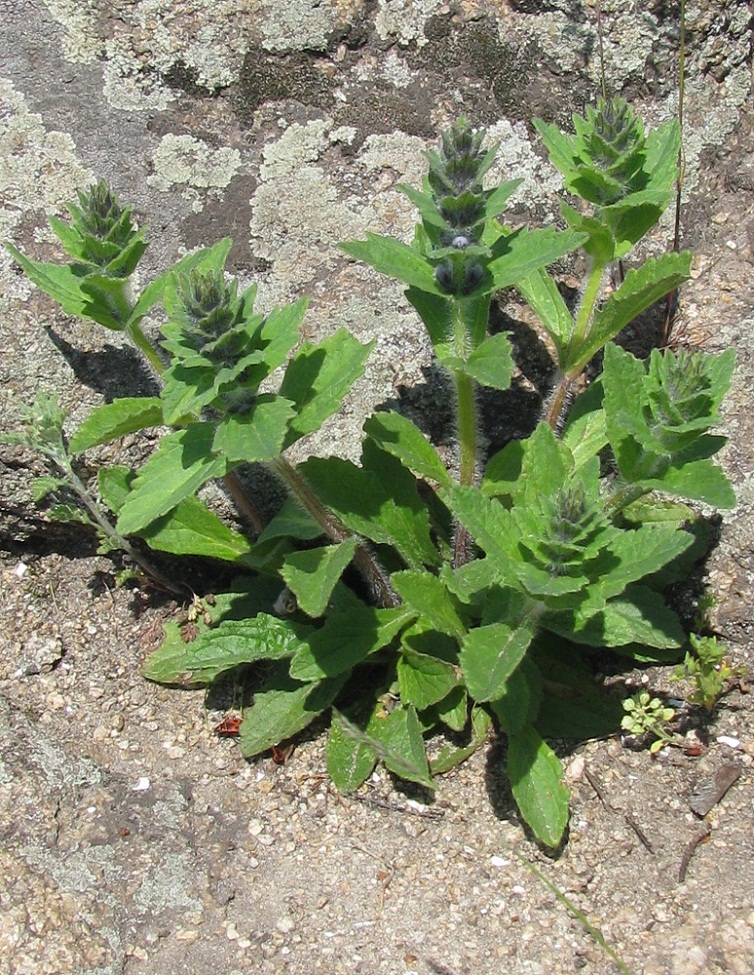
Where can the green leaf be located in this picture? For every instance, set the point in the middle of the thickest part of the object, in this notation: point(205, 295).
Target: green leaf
point(585, 433)
point(400, 437)
point(632, 555)
point(639, 616)
point(45, 484)
point(490, 655)
point(536, 778)
point(282, 709)
point(452, 710)
point(349, 762)
point(519, 255)
point(492, 527)
point(641, 288)
point(182, 462)
point(347, 638)
point(700, 480)
point(220, 648)
point(504, 470)
point(397, 740)
point(311, 575)
point(317, 379)
point(491, 363)
point(192, 529)
point(255, 436)
point(424, 680)
point(428, 597)
point(115, 420)
point(388, 514)
point(495, 202)
point(521, 697)
point(396, 260)
point(541, 293)
point(292, 521)
point(64, 285)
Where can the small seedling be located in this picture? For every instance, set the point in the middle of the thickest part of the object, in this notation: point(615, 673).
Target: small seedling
point(647, 716)
point(707, 668)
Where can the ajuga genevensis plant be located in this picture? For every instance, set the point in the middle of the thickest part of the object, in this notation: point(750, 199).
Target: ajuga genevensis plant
point(409, 603)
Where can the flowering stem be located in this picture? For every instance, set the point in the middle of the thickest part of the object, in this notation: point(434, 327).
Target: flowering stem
point(231, 480)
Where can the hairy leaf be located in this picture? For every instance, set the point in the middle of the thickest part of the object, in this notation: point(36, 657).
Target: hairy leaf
point(312, 574)
point(183, 461)
point(537, 784)
point(283, 708)
point(317, 379)
point(347, 638)
point(115, 420)
point(400, 437)
point(490, 654)
point(220, 648)
point(424, 680)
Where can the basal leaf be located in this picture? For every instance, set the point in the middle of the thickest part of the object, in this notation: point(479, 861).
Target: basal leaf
point(115, 420)
point(192, 529)
point(504, 470)
point(220, 648)
point(347, 638)
point(292, 521)
point(450, 755)
point(349, 761)
point(452, 710)
point(536, 778)
point(428, 597)
point(424, 680)
point(365, 504)
point(282, 709)
point(183, 461)
point(639, 616)
point(700, 480)
point(490, 654)
point(519, 703)
point(397, 740)
point(311, 575)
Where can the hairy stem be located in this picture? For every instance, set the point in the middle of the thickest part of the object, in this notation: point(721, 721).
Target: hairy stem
point(588, 301)
point(372, 572)
point(559, 402)
point(107, 529)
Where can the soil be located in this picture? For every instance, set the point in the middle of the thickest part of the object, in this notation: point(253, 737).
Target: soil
point(133, 838)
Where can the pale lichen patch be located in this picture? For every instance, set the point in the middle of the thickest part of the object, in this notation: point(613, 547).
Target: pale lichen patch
point(81, 43)
point(183, 160)
point(405, 19)
point(39, 170)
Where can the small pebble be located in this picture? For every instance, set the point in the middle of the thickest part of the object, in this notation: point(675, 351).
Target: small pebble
point(285, 924)
point(729, 741)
